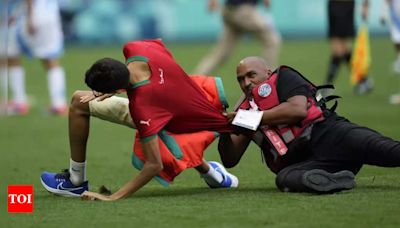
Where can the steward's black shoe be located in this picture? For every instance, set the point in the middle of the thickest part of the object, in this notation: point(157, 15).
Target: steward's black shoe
point(322, 181)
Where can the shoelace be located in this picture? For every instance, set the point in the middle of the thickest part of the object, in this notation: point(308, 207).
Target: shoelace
point(64, 175)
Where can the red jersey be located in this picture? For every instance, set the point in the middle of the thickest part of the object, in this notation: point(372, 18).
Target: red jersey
point(181, 151)
point(169, 100)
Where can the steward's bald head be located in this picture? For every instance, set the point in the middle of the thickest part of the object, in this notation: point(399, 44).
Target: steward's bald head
point(251, 71)
point(254, 61)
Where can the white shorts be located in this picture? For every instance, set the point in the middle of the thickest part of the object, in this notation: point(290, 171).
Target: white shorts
point(394, 34)
point(395, 29)
point(114, 109)
point(47, 42)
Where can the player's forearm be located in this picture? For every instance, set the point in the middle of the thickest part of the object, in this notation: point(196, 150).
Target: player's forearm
point(151, 168)
point(149, 171)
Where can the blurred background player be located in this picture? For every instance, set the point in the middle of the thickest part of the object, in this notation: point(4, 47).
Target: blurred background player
point(35, 30)
point(391, 14)
point(341, 31)
point(241, 17)
point(3, 57)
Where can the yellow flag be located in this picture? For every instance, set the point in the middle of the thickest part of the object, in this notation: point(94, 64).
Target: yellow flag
point(361, 57)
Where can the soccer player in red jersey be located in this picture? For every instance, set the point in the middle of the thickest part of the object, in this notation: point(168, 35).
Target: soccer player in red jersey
point(163, 101)
point(162, 93)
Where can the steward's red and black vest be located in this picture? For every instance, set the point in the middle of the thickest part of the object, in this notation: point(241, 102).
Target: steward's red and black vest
point(265, 96)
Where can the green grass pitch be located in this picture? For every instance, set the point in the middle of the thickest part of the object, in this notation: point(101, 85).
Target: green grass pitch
point(35, 143)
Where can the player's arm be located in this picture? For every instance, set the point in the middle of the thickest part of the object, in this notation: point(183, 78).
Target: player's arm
point(152, 166)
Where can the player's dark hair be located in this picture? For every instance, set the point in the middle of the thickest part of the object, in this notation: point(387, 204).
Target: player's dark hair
point(107, 76)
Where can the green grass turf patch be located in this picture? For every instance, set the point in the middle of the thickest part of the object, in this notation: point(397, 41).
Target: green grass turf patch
point(32, 144)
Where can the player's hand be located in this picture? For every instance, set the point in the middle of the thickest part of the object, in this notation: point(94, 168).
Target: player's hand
point(87, 98)
point(104, 96)
point(97, 96)
point(95, 196)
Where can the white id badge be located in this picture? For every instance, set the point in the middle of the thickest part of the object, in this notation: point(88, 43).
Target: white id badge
point(249, 119)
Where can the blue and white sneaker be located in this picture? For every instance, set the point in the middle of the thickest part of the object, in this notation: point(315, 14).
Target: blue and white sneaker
point(60, 184)
point(229, 180)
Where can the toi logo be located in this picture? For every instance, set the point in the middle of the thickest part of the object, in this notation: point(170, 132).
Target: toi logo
point(20, 199)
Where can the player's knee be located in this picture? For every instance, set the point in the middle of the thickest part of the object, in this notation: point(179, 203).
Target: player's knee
point(76, 96)
point(76, 105)
point(50, 63)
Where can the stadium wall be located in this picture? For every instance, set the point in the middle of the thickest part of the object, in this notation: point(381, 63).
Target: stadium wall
point(189, 20)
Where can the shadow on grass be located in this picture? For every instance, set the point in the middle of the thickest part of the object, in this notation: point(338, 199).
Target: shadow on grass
point(176, 192)
point(185, 191)
point(201, 191)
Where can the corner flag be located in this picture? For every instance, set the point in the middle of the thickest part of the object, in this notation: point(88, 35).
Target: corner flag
point(361, 57)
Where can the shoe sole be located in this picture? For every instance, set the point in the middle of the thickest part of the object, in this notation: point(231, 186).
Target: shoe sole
point(322, 181)
point(58, 191)
point(234, 179)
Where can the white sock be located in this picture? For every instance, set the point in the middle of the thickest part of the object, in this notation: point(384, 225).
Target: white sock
point(3, 80)
point(212, 177)
point(56, 86)
point(77, 171)
point(3, 89)
point(17, 84)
